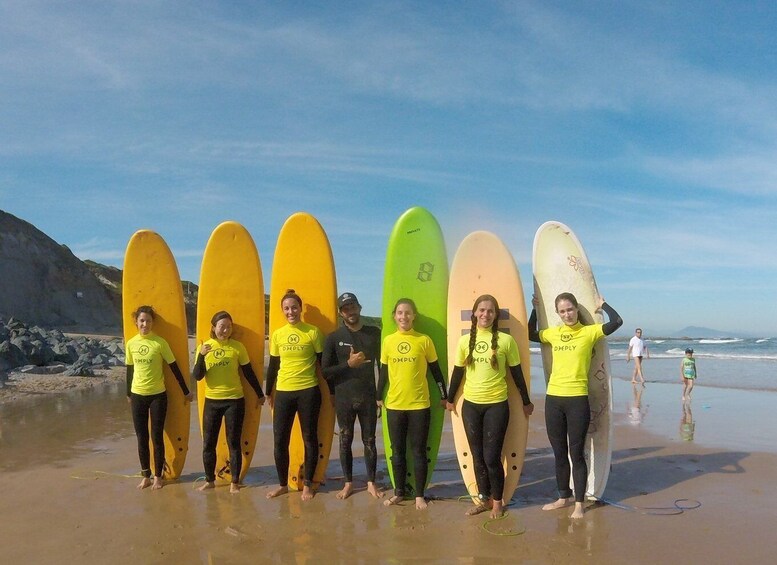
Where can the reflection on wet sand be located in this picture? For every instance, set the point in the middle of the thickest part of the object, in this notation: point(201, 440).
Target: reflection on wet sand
point(687, 425)
point(635, 411)
point(50, 428)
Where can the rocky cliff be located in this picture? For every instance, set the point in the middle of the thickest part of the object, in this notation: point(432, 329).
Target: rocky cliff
point(43, 283)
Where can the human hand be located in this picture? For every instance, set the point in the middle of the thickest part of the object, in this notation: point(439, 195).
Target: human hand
point(356, 360)
point(205, 348)
point(528, 409)
point(535, 301)
point(188, 397)
point(450, 406)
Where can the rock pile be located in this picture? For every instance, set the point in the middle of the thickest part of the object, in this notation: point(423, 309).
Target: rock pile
point(34, 349)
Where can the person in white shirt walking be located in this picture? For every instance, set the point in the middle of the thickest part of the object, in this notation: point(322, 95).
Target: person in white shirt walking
point(637, 349)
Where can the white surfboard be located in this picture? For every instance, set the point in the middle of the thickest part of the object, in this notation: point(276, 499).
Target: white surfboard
point(561, 265)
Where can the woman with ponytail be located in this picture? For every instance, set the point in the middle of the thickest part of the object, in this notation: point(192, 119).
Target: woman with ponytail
point(484, 358)
point(292, 387)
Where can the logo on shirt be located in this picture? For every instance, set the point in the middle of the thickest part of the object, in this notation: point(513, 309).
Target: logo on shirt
point(403, 348)
point(293, 339)
point(343, 344)
point(566, 337)
point(425, 271)
point(481, 347)
point(143, 350)
point(219, 353)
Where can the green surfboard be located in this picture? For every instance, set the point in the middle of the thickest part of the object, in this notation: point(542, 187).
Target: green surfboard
point(417, 268)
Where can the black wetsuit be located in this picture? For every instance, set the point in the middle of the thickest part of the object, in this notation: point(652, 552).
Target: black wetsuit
point(151, 408)
point(354, 390)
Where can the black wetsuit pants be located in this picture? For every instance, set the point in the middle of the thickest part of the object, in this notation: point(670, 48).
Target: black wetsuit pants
point(410, 425)
point(348, 409)
point(567, 419)
point(232, 411)
point(153, 407)
point(306, 403)
point(486, 426)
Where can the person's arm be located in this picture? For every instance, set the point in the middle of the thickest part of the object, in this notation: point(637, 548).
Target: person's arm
point(456, 377)
point(628, 353)
point(199, 370)
point(253, 380)
point(615, 320)
point(382, 382)
point(272, 373)
point(534, 335)
point(434, 367)
point(330, 368)
point(520, 382)
point(179, 377)
point(130, 375)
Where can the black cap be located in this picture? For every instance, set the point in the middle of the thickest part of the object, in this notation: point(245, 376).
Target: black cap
point(689, 350)
point(345, 299)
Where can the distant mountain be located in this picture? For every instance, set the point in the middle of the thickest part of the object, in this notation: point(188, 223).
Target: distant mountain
point(701, 332)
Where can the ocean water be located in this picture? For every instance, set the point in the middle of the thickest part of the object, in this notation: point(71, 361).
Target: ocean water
point(736, 363)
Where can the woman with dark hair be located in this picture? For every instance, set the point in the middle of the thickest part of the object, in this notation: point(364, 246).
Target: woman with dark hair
point(405, 356)
point(292, 385)
point(218, 361)
point(146, 393)
point(485, 356)
point(567, 412)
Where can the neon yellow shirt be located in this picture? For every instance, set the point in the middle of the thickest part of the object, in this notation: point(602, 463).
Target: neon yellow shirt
point(297, 346)
point(146, 354)
point(484, 384)
point(573, 347)
point(222, 376)
point(407, 355)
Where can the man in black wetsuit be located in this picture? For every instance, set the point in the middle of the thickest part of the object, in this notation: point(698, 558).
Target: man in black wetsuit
point(350, 356)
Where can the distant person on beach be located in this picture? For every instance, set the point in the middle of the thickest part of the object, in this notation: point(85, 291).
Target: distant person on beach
point(688, 373)
point(637, 349)
point(218, 360)
point(351, 354)
point(405, 356)
point(567, 412)
point(146, 392)
point(484, 356)
point(292, 386)
point(636, 414)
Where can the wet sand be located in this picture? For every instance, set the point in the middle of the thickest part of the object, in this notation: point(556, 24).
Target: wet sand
point(69, 496)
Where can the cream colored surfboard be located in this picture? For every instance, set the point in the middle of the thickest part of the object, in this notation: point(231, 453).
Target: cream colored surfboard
point(561, 265)
point(231, 280)
point(303, 261)
point(483, 265)
point(151, 278)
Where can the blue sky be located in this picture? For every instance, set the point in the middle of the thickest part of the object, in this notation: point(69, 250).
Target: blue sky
point(648, 127)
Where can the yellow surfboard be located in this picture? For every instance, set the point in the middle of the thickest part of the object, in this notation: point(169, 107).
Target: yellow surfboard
point(483, 265)
point(151, 278)
point(303, 261)
point(231, 280)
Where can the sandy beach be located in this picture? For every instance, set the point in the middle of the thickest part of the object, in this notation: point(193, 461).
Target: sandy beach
point(68, 460)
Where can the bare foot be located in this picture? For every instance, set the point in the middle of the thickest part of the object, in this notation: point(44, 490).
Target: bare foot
point(278, 491)
point(145, 483)
point(346, 492)
point(392, 501)
point(420, 503)
point(633, 382)
point(208, 485)
point(373, 489)
point(307, 493)
point(157, 483)
point(498, 509)
point(234, 488)
point(578, 512)
point(475, 510)
point(560, 503)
